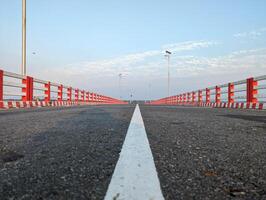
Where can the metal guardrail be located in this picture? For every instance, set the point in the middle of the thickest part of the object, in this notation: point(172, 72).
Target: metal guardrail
point(15, 87)
point(251, 90)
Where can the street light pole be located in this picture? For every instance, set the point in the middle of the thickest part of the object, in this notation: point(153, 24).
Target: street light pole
point(23, 66)
point(168, 53)
point(119, 84)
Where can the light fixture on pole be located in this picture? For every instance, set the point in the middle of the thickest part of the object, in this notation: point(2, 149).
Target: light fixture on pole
point(167, 55)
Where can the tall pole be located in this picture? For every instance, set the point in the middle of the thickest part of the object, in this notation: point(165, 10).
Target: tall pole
point(149, 92)
point(119, 85)
point(23, 66)
point(168, 53)
point(168, 63)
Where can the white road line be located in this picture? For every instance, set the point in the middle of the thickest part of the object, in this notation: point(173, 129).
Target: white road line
point(135, 176)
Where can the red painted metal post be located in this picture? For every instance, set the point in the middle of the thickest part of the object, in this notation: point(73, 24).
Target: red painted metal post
point(83, 96)
point(31, 88)
point(208, 95)
point(199, 96)
point(193, 97)
point(252, 90)
point(92, 97)
point(188, 97)
point(87, 97)
point(1, 85)
point(184, 98)
point(231, 93)
point(69, 94)
point(60, 93)
point(47, 92)
point(76, 95)
point(217, 94)
point(176, 99)
point(28, 89)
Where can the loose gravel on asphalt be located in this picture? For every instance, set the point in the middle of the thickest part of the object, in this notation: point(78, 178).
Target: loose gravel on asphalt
point(208, 153)
point(60, 153)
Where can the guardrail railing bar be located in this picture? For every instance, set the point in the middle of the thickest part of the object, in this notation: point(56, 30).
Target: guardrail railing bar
point(14, 75)
point(12, 84)
point(260, 78)
point(50, 91)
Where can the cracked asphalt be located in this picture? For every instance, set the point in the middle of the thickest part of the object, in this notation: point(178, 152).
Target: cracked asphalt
point(208, 153)
point(71, 153)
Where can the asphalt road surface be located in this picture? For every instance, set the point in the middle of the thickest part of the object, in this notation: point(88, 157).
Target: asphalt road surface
point(208, 153)
point(60, 153)
point(71, 153)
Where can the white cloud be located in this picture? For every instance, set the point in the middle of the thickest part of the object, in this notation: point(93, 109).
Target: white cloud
point(150, 68)
point(129, 63)
point(190, 45)
point(246, 62)
point(251, 34)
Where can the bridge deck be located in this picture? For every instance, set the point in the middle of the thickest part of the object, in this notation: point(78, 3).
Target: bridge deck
point(208, 153)
point(72, 152)
point(68, 153)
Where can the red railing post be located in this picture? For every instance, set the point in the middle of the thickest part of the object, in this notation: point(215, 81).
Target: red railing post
point(47, 92)
point(252, 90)
point(60, 93)
point(76, 95)
point(184, 97)
point(208, 100)
point(83, 96)
point(199, 96)
point(193, 97)
point(188, 97)
point(1, 86)
point(87, 96)
point(217, 94)
point(231, 93)
point(92, 97)
point(27, 89)
point(69, 94)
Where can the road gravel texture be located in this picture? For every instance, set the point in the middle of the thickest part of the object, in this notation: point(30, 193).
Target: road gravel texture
point(208, 153)
point(60, 153)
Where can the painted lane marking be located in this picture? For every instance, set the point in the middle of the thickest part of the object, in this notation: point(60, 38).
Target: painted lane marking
point(135, 176)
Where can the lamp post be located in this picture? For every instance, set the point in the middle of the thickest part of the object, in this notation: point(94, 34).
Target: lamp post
point(119, 84)
point(23, 65)
point(167, 55)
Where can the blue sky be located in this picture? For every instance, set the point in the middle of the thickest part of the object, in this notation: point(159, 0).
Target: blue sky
point(88, 43)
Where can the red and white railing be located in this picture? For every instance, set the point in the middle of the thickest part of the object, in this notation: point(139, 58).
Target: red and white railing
point(25, 91)
point(249, 93)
